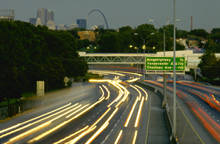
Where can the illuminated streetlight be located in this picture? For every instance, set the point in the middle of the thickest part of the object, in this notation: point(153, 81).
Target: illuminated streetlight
point(144, 47)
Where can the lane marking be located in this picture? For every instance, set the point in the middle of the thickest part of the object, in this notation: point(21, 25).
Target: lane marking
point(135, 137)
point(131, 113)
point(139, 113)
point(118, 137)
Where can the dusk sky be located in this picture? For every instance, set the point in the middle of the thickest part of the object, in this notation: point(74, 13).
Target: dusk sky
point(122, 12)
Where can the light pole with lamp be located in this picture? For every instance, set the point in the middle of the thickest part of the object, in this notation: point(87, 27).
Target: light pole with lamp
point(174, 69)
point(164, 75)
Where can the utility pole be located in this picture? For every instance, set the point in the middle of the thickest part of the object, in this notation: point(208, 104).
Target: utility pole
point(174, 69)
point(164, 73)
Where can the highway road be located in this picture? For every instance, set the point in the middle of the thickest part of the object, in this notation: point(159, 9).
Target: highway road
point(109, 111)
point(200, 104)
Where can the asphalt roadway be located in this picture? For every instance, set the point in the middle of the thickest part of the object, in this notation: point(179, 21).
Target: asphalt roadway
point(101, 112)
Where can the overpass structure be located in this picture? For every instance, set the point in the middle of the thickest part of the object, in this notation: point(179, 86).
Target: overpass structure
point(192, 59)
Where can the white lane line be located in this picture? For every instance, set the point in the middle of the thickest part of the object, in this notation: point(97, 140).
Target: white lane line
point(135, 137)
point(146, 94)
point(139, 113)
point(118, 137)
point(131, 113)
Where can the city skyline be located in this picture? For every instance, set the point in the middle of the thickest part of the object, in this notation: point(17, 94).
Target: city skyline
point(121, 13)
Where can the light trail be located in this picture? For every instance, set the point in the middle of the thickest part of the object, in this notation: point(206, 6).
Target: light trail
point(108, 92)
point(146, 94)
point(132, 80)
point(26, 126)
point(103, 93)
point(97, 133)
point(59, 126)
point(135, 137)
point(81, 135)
point(93, 126)
point(139, 113)
point(22, 123)
point(126, 93)
point(77, 111)
point(64, 123)
point(118, 137)
point(35, 129)
point(101, 117)
point(131, 113)
point(102, 128)
point(27, 133)
point(116, 84)
point(139, 93)
point(106, 72)
point(72, 135)
point(137, 74)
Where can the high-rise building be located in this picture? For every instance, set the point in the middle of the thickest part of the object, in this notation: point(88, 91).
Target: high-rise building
point(42, 14)
point(51, 25)
point(7, 14)
point(38, 22)
point(45, 17)
point(50, 16)
point(81, 23)
point(33, 21)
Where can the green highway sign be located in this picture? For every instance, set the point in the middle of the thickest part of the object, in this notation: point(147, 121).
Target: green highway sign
point(164, 63)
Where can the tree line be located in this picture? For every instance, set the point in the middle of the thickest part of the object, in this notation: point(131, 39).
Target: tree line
point(131, 40)
point(29, 54)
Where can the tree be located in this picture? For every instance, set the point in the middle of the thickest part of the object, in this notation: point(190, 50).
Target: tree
point(29, 53)
point(109, 42)
point(200, 33)
point(208, 65)
point(211, 45)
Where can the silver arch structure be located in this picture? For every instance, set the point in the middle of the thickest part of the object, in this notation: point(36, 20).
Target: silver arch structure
point(99, 11)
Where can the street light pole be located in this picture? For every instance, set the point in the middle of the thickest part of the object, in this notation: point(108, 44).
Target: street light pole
point(164, 75)
point(174, 69)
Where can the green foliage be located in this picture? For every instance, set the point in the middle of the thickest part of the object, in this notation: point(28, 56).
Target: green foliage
point(209, 65)
point(29, 53)
point(200, 33)
point(215, 30)
point(181, 34)
point(211, 45)
point(109, 42)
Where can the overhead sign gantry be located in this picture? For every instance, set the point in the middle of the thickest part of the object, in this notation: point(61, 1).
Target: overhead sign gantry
point(164, 64)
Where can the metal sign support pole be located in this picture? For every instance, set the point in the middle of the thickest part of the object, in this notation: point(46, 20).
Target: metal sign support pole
point(164, 74)
point(174, 69)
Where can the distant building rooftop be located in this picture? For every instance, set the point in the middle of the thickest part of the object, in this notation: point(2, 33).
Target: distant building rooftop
point(7, 14)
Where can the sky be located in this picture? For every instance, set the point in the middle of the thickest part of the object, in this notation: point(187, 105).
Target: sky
point(122, 12)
